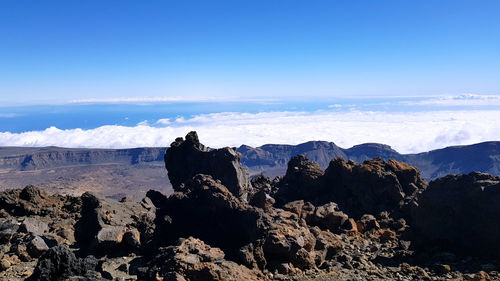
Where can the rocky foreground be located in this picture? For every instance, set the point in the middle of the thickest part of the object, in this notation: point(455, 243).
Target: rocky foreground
point(376, 220)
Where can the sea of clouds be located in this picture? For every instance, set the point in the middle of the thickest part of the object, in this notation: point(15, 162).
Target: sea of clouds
point(406, 132)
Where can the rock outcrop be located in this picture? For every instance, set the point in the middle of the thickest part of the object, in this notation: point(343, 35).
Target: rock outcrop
point(187, 158)
point(372, 187)
point(248, 235)
point(109, 226)
point(367, 188)
point(461, 213)
point(59, 264)
point(192, 259)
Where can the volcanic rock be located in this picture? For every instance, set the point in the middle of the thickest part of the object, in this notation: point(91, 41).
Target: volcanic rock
point(187, 158)
point(28, 201)
point(372, 187)
point(300, 182)
point(59, 263)
point(209, 211)
point(37, 247)
point(460, 213)
point(192, 259)
point(7, 230)
point(34, 226)
point(104, 223)
point(262, 200)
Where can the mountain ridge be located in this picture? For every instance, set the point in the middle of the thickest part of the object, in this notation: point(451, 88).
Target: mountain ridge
point(270, 159)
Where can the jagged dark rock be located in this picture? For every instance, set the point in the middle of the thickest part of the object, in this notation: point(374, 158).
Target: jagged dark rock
point(186, 158)
point(59, 264)
point(460, 213)
point(370, 187)
point(301, 181)
point(210, 212)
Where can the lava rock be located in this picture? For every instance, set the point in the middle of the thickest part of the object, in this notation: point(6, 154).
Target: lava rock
point(301, 181)
point(460, 213)
point(187, 158)
point(36, 247)
point(59, 263)
point(192, 259)
point(104, 223)
point(34, 226)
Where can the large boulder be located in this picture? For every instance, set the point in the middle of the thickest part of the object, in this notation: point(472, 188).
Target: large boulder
point(59, 263)
point(460, 213)
point(104, 223)
point(370, 187)
point(209, 211)
point(187, 158)
point(192, 259)
point(301, 181)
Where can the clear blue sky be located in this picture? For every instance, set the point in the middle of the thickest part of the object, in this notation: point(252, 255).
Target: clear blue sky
point(60, 50)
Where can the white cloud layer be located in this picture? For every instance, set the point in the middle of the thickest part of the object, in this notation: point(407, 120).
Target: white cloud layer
point(460, 100)
point(405, 132)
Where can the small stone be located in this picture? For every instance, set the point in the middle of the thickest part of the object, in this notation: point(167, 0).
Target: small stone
point(480, 276)
point(34, 226)
point(37, 247)
point(123, 267)
point(4, 264)
point(350, 225)
point(172, 276)
point(387, 235)
point(132, 238)
point(22, 253)
point(441, 268)
point(125, 199)
point(110, 234)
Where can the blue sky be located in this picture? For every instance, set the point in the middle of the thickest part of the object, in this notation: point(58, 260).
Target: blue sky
point(53, 51)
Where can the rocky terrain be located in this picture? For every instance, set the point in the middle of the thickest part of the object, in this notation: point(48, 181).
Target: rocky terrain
point(374, 220)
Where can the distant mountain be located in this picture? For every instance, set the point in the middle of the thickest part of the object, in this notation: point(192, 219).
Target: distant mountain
point(25, 159)
point(270, 159)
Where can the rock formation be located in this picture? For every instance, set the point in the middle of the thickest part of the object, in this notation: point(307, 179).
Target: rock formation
point(192, 259)
point(110, 226)
point(461, 213)
point(367, 188)
point(187, 158)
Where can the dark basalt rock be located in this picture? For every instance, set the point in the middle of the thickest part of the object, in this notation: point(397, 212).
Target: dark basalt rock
point(59, 263)
point(370, 187)
point(301, 181)
point(248, 235)
point(460, 213)
point(187, 158)
point(207, 210)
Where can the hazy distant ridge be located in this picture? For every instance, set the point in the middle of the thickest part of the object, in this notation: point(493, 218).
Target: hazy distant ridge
point(271, 159)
